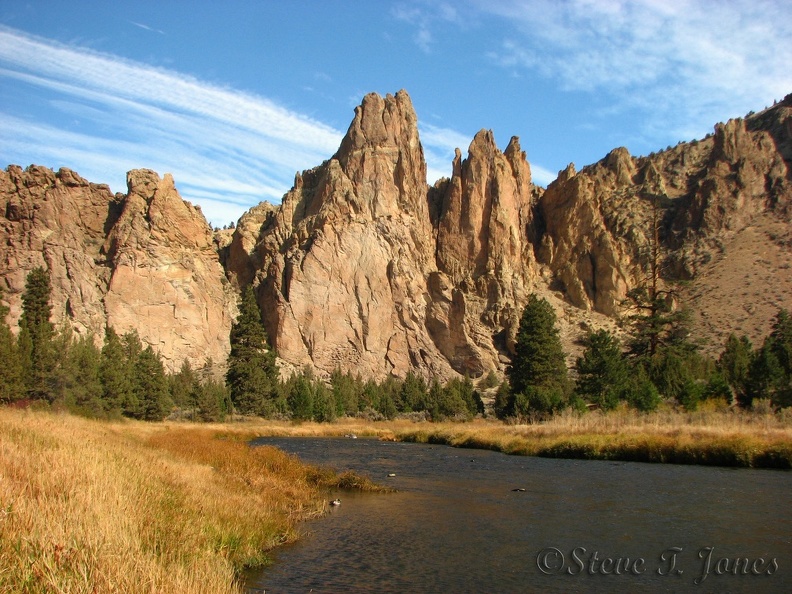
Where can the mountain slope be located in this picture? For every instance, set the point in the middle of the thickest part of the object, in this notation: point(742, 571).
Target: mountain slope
point(365, 267)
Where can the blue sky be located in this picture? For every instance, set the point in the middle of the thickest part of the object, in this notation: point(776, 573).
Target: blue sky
point(234, 97)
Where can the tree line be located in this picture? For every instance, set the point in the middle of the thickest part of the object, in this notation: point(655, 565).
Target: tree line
point(658, 361)
point(49, 366)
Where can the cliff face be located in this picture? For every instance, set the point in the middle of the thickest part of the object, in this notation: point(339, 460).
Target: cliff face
point(710, 200)
point(142, 261)
point(366, 268)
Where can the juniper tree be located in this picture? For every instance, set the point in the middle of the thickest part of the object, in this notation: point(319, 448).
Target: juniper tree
point(735, 364)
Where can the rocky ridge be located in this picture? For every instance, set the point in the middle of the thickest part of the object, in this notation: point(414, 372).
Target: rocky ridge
point(141, 261)
point(365, 267)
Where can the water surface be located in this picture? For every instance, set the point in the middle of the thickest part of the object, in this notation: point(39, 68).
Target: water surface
point(457, 524)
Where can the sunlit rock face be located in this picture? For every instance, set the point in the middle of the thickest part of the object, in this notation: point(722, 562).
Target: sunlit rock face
point(366, 268)
point(141, 261)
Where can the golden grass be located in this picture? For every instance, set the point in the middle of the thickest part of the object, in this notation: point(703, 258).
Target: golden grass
point(714, 435)
point(90, 506)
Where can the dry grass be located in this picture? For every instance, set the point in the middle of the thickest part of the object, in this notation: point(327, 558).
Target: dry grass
point(709, 437)
point(714, 435)
point(88, 506)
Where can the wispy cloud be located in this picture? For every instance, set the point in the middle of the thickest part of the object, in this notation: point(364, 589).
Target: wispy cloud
point(147, 28)
point(226, 148)
point(423, 16)
point(683, 64)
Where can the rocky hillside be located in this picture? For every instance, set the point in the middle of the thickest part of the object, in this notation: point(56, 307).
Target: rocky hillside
point(365, 267)
point(141, 261)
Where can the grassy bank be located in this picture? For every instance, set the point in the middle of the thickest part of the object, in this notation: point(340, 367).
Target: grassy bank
point(707, 437)
point(88, 506)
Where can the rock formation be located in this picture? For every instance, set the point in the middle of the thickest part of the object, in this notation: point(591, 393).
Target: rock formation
point(365, 267)
point(142, 261)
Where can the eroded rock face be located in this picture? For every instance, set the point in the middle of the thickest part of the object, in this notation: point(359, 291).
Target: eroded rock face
point(166, 281)
point(485, 259)
point(599, 222)
point(342, 279)
point(365, 268)
point(142, 261)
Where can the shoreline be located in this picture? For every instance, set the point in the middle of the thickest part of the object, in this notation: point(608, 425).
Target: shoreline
point(736, 440)
point(129, 506)
point(175, 506)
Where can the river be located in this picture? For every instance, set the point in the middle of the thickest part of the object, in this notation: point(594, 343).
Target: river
point(480, 521)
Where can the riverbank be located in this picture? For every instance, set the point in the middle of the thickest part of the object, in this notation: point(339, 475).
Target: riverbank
point(176, 507)
point(94, 506)
point(723, 437)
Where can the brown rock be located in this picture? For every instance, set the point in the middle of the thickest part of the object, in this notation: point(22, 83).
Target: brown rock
point(144, 261)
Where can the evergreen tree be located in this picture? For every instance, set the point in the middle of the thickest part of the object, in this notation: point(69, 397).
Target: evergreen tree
point(83, 391)
point(301, 396)
point(538, 374)
point(151, 386)
point(770, 374)
point(346, 392)
point(371, 396)
point(212, 401)
point(735, 363)
point(115, 374)
point(503, 407)
point(461, 392)
point(413, 393)
point(387, 408)
point(12, 386)
point(182, 386)
point(642, 393)
point(602, 371)
point(36, 333)
point(133, 348)
point(324, 406)
point(252, 374)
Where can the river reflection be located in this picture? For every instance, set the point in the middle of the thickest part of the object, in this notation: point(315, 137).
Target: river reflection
point(457, 524)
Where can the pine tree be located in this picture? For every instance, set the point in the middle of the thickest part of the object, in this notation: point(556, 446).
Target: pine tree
point(182, 386)
point(735, 363)
point(538, 373)
point(252, 374)
point(301, 396)
point(133, 348)
point(602, 371)
point(36, 333)
point(346, 392)
point(770, 375)
point(83, 389)
point(212, 401)
point(12, 386)
point(115, 374)
point(413, 393)
point(151, 386)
